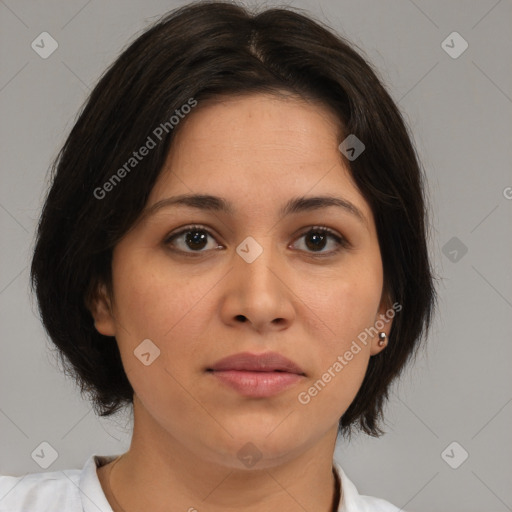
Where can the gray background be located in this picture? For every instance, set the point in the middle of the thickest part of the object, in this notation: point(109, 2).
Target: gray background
point(460, 112)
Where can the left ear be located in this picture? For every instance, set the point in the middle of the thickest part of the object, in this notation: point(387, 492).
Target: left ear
point(383, 322)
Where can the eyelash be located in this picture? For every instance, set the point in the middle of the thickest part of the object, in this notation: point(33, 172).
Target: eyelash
point(340, 240)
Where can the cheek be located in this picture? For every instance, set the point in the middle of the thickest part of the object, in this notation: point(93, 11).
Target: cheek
point(340, 359)
point(355, 308)
point(348, 311)
point(151, 296)
point(339, 314)
point(151, 303)
point(344, 305)
point(155, 301)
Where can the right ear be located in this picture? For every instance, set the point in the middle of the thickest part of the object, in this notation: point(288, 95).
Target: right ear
point(100, 306)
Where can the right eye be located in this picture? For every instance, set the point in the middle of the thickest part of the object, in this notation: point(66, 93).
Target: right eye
point(194, 241)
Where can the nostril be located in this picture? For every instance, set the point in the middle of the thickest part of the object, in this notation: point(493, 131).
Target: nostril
point(241, 318)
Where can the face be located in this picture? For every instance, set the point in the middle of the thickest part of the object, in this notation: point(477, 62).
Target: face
point(203, 283)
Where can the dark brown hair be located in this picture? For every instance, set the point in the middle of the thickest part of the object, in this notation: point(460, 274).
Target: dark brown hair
point(215, 50)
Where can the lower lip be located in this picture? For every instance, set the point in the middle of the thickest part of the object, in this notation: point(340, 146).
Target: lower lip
point(257, 384)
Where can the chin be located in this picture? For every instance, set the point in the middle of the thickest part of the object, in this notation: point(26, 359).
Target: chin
point(253, 448)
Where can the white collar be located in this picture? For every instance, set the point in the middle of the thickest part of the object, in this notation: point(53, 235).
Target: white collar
point(94, 499)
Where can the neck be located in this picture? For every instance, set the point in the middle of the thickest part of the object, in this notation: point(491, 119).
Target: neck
point(153, 475)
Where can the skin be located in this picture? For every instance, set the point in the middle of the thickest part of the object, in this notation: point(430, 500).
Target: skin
point(256, 151)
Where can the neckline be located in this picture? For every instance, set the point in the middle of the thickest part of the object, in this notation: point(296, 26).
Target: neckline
point(103, 460)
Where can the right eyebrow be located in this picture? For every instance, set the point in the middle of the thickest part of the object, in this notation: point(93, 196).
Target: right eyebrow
point(199, 201)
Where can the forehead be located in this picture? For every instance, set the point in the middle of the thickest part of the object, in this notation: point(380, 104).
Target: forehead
point(285, 126)
point(257, 149)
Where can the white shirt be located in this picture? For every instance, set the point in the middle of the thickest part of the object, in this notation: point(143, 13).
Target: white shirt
point(79, 490)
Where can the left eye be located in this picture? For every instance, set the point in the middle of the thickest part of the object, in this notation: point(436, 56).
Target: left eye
point(196, 239)
point(316, 238)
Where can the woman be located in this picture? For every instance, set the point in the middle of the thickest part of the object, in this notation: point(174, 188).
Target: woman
point(234, 242)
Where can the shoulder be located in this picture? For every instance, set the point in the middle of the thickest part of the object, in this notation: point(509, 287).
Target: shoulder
point(372, 504)
point(39, 492)
point(72, 490)
point(352, 501)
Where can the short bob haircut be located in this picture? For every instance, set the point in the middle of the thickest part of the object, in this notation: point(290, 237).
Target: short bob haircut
point(217, 50)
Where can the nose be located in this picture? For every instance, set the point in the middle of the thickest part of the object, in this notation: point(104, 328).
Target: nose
point(259, 293)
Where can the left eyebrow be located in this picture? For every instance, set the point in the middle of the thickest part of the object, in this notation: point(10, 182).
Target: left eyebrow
point(296, 205)
point(305, 204)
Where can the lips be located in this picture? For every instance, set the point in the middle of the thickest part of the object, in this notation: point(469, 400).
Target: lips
point(257, 375)
point(267, 362)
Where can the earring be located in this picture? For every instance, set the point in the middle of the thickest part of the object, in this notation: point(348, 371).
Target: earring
point(382, 339)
